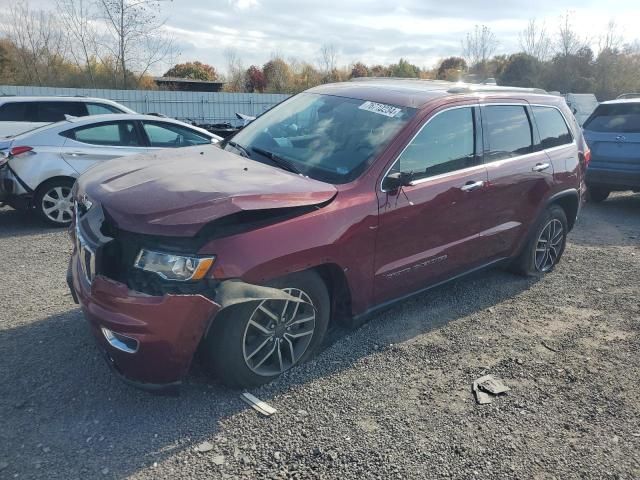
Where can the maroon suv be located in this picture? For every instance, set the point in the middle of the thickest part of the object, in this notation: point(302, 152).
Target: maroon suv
point(334, 204)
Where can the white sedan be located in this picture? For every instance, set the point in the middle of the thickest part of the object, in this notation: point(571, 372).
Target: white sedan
point(38, 168)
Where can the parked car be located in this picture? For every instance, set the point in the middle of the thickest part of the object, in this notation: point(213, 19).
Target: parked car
point(613, 134)
point(333, 205)
point(582, 105)
point(20, 114)
point(38, 168)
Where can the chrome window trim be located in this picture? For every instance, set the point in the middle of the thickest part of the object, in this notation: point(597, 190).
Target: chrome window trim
point(494, 162)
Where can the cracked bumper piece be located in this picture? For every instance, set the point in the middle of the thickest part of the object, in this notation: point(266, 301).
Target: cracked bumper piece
point(148, 340)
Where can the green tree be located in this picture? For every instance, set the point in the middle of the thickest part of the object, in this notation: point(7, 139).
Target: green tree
point(404, 69)
point(521, 70)
point(193, 70)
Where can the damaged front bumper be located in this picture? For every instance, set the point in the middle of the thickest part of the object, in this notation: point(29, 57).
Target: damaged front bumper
point(150, 341)
point(155, 337)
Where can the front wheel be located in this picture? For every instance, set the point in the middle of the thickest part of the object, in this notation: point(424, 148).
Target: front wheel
point(54, 203)
point(545, 246)
point(252, 343)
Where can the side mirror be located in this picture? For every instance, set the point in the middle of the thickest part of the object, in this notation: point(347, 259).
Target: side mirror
point(395, 180)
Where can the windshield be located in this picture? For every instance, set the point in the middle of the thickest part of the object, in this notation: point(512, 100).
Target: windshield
point(328, 138)
point(615, 118)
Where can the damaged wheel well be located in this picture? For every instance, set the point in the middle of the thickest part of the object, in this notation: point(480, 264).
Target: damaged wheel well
point(336, 282)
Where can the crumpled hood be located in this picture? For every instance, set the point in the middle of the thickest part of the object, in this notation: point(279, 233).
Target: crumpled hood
point(178, 191)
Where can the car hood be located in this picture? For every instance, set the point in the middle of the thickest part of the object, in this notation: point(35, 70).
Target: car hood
point(177, 192)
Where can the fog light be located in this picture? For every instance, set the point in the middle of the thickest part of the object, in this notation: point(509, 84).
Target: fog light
point(121, 342)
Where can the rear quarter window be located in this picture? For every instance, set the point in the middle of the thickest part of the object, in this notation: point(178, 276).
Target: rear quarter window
point(615, 118)
point(552, 127)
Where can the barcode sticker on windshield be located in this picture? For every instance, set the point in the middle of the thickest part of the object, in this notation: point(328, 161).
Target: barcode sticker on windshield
point(380, 109)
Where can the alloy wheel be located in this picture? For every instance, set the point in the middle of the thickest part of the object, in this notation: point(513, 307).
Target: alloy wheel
point(57, 204)
point(549, 245)
point(278, 334)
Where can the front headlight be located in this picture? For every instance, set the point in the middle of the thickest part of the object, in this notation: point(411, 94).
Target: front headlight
point(174, 267)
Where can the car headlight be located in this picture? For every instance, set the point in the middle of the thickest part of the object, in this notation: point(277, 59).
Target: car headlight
point(174, 267)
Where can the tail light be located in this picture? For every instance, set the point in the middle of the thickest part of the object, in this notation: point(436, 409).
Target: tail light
point(587, 157)
point(15, 151)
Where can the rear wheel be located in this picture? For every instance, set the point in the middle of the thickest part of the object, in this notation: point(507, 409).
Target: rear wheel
point(597, 194)
point(545, 246)
point(253, 343)
point(54, 203)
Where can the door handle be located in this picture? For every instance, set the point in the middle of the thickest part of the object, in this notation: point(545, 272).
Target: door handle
point(540, 167)
point(77, 154)
point(471, 186)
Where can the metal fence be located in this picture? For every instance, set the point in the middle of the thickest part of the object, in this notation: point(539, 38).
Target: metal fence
point(201, 107)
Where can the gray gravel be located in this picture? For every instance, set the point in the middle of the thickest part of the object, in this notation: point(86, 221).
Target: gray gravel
point(390, 400)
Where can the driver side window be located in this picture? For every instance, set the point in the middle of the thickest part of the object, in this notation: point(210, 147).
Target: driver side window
point(445, 144)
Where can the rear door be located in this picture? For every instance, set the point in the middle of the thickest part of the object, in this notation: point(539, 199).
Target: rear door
point(430, 229)
point(520, 178)
point(556, 139)
point(613, 135)
point(93, 143)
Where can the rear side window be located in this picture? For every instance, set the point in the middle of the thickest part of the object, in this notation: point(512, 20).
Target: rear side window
point(615, 118)
point(445, 144)
point(101, 109)
point(14, 112)
point(552, 127)
point(508, 131)
point(55, 111)
point(122, 134)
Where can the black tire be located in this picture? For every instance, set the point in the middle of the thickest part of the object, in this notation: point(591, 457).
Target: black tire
point(47, 194)
point(528, 262)
point(223, 349)
point(598, 194)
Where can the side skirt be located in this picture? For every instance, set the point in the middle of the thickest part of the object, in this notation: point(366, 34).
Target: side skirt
point(365, 316)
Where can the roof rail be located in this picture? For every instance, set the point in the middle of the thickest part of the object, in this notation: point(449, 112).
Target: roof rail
point(628, 95)
point(471, 88)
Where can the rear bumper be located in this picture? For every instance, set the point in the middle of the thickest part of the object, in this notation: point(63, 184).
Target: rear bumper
point(613, 179)
point(166, 330)
point(11, 192)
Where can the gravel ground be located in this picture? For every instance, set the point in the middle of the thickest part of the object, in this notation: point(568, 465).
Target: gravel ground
point(389, 400)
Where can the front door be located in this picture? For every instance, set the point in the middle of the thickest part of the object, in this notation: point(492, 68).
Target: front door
point(429, 230)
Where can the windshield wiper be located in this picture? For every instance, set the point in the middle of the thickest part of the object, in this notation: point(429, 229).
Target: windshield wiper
point(281, 162)
point(240, 148)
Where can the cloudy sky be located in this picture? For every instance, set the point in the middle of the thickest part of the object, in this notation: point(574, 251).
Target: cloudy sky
point(373, 31)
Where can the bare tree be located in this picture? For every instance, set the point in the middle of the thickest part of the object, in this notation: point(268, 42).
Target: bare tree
point(612, 39)
point(569, 42)
point(40, 41)
point(78, 17)
point(534, 40)
point(328, 58)
point(479, 46)
point(137, 39)
point(235, 71)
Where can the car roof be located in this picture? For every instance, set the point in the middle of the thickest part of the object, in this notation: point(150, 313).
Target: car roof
point(621, 100)
point(413, 93)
